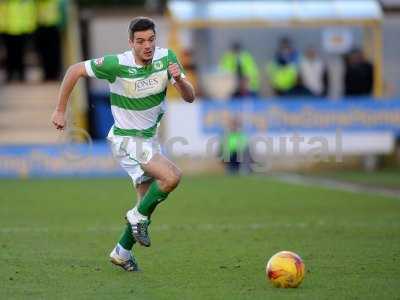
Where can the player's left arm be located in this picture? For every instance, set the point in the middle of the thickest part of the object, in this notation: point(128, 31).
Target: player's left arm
point(182, 85)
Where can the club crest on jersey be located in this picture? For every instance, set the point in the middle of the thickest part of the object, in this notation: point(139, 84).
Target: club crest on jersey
point(158, 65)
point(146, 84)
point(99, 61)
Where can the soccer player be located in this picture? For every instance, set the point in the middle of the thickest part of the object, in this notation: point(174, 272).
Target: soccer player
point(138, 81)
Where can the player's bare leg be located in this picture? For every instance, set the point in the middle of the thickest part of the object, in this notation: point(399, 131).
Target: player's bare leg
point(166, 173)
point(166, 178)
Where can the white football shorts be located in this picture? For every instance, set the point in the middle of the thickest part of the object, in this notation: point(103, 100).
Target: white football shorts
point(131, 152)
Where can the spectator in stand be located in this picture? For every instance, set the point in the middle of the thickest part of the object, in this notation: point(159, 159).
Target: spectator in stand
point(19, 24)
point(242, 64)
point(48, 37)
point(283, 70)
point(359, 74)
point(313, 74)
point(287, 50)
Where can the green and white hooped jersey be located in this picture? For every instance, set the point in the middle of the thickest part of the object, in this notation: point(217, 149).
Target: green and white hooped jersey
point(137, 92)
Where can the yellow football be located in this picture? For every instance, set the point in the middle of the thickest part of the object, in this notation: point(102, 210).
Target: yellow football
point(285, 269)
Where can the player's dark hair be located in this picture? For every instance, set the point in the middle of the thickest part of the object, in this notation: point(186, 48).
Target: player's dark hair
point(141, 24)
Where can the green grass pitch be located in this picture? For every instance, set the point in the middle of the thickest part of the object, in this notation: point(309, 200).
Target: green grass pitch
point(386, 178)
point(210, 240)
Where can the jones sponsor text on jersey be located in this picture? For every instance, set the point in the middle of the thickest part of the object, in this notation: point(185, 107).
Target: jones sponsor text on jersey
point(146, 84)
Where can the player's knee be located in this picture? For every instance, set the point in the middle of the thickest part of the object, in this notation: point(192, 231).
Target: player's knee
point(172, 180)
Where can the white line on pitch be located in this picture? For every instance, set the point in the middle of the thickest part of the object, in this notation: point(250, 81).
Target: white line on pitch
point(337, 185)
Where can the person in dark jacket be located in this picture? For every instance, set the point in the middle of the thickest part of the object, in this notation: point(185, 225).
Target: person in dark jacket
point(359, 74)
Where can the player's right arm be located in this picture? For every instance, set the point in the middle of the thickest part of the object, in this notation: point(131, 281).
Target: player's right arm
point(100, 68)
point(71, 77)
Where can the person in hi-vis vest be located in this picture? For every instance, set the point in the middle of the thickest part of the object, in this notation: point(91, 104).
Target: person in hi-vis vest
point(241, 63)
point(48, 37)
point(18, 24)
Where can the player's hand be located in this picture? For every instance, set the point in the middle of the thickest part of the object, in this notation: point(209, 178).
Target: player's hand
point(175, 71)
point(58, 120)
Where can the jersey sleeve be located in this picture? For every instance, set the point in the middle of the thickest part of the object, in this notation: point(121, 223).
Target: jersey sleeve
point(174, 60)
point(103, 67)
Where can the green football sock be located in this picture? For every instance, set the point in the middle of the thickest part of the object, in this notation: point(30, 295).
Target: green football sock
point(127, 241)
point(151, 199)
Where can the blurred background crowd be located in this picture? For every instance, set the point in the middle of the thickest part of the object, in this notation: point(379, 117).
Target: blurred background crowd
point(301, 63)
point(233, 51)
point(31, 35)
point(292, 73)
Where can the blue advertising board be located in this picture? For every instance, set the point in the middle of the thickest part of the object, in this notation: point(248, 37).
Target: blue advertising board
point(274, 116)
point(78, 160)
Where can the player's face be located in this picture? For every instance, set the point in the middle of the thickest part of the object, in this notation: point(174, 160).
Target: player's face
point(144, 44)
